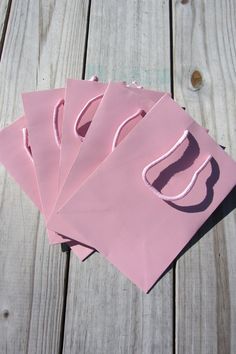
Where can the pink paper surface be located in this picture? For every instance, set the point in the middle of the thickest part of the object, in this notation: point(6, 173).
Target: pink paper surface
point(118, 103)
point(125, 220)
point(39, 110)
point(77, 95)
point(18, 163)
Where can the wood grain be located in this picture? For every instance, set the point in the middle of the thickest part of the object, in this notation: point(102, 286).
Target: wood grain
point(105, 313)
point(3, 12)
point(44, 44)
point(204, 34)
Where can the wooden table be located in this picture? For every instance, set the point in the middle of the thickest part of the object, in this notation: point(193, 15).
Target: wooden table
point(49, 301)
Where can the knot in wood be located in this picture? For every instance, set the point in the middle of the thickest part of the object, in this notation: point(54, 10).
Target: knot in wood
point(196, 79)
point(5, 313)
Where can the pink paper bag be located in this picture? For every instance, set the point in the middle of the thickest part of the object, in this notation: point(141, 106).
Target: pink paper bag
point(148, 198)
point(81, 101)
point(15, 155)
point(121, 105)
point(44, 112)
point(82, 98)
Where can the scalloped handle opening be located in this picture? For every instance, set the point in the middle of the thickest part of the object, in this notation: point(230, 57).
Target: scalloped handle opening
point(82, 112)
point(192, 182)
point(121, 126)
point(59, 104)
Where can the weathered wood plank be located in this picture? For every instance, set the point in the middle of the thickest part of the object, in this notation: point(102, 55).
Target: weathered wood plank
point(128, 40)
point(3, 12)
point(44, 44)
point(206, 274)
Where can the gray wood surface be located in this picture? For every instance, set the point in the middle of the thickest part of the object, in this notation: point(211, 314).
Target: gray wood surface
point(192, 310)
point(44, 44)
point(204, 41)
point(105, 313)
point(3, 12)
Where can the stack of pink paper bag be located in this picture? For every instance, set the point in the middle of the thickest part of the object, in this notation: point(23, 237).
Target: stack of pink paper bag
point(118, 169)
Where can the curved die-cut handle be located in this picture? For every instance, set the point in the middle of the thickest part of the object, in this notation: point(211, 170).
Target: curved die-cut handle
point(164, 156)
point(26, 142)
point(80, 115)
point(117, 134)
point(55, 121)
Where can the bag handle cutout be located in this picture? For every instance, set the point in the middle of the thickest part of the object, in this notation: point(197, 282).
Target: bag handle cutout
point(163, 157)
point(60, 103)
point(117, 134)
point(82, 112)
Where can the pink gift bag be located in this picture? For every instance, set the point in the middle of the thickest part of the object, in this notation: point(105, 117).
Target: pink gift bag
point(121, 105)
point(15, 155)
point(147, 199)
point(82, 98)
point(44, 112)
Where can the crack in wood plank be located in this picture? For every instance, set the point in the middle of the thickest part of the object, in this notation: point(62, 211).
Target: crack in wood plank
point(5, 9)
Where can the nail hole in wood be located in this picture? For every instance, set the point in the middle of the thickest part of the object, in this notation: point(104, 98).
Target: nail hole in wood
point(184, 2)
point(196, 79)
point(6, 313)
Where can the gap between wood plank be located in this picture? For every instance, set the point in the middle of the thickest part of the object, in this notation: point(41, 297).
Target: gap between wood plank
point(66, 278)
point(86, 41)
point(67, 270)
point(172, 94)
point(4, 30)
point(171, 49)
